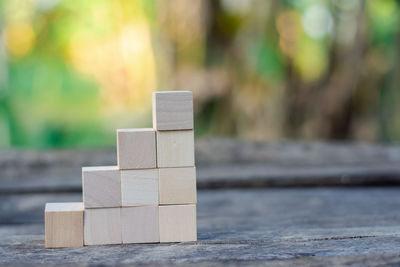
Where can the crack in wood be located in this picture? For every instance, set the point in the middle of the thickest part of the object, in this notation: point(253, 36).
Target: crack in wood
point(337, 238)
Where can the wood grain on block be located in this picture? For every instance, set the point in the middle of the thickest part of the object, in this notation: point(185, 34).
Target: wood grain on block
point(175, 149)
point(139, 187)
point(101, 187)
point(136, 148)
point(140, 224)
point(64, 225)
point(173, 110)
point(102, 226)
point(177, 185)
point(177, 223)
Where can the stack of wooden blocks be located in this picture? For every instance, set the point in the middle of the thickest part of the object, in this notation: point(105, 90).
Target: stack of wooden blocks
point(149, 197)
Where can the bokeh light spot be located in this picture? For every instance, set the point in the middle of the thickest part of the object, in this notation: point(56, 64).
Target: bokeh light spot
point(19, 38)
point(317, 21)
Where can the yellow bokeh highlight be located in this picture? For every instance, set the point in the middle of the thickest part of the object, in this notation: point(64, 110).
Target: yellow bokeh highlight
point(309, 56)
point(19, 38)
point(311, 59)
point(123, 63)
point(289, 29)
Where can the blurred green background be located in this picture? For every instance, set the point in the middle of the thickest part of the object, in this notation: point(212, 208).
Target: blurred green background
point(71, 72)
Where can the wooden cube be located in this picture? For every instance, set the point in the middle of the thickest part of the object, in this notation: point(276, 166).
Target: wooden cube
point(63, 225)
point(177, 223)
point(136, 148)
point(139, 187)
point(177, 185)
point(140, 224)
point(173, 110)
point(101, 187)
point(102, 226)
point(175, 149)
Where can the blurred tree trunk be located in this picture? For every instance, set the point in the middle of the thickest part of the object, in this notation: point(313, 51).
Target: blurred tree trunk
point(326, 106)
point(389, 112)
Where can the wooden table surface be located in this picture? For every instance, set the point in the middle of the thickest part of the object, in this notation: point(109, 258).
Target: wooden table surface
point(257, 204)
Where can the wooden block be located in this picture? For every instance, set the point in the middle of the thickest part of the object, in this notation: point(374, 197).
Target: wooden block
point(136, 148)
point(140, 224)
point(63, 225)
point(177, 185)
point(102, 226)
point(173, 110)
point(175, 149)
point(139, 187)
point(177, 223)
point(101, 187)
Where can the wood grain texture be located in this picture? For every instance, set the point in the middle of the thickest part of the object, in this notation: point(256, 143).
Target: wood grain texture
point(177, 186)
point(101, 187)
point(305, 225)
point(175, 149)
point(64, 225)
point(140, 224)
point(102, 226)
point(139, 187)
point(136, 148)
point(177, 223)
point(173, 110)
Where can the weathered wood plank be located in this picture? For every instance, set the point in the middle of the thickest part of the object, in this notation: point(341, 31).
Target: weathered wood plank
point(222, 163)
point(211, 151)
point(285, 226)
point(227, 176)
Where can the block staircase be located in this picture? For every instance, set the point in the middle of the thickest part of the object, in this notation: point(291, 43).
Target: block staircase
point(150, 197)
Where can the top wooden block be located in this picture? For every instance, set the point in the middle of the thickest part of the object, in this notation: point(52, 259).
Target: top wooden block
point(173, 110)
point(136, 148)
